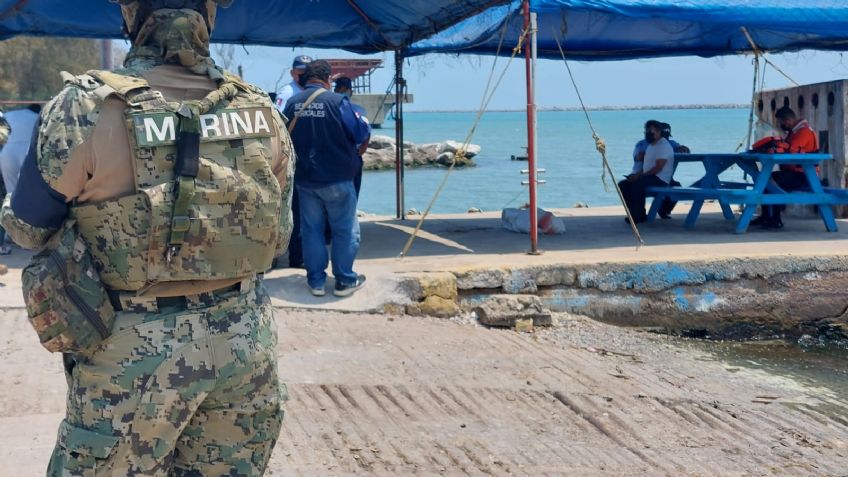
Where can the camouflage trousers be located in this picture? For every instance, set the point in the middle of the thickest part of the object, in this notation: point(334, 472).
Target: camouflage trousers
point(189, 390)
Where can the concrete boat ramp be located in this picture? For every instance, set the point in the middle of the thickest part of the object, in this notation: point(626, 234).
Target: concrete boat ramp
point(702, 281)
point(396, 396)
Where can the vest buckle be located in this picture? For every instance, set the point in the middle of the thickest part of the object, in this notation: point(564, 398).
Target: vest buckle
point(180, 223)
point(145, 96)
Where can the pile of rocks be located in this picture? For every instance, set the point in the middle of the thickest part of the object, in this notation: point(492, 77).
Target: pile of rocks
point(381, 154)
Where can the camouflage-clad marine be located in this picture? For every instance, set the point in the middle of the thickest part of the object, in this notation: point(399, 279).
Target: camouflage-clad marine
point(178, 177)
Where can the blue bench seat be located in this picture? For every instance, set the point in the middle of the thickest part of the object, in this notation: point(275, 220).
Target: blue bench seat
point(748, 196)
point(690, 193)
point(841, 193)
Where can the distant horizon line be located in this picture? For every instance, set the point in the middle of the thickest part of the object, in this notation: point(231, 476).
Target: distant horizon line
point(595, 108)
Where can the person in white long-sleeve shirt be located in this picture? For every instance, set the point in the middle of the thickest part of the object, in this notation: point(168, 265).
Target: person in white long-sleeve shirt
point(291, 89)
point(19, 125)
point(22, 122)
point(295, 251)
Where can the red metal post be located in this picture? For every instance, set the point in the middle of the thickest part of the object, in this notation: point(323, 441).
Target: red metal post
point(531, 131)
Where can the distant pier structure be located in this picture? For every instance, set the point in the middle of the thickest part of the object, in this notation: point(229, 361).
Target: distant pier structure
point(824, 106)
point(359, 71)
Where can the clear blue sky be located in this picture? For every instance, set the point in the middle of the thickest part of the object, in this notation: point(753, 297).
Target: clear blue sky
point(451, 82)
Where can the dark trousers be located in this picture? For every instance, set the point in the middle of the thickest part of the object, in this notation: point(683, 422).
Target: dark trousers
point(634, 194)
point(2, 194)
point(295, 243)
point(667, 204)
point(788, 181)
point(357, 182)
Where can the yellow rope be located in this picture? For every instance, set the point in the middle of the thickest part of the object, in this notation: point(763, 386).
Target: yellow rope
point(519, 46)
point(601, 146)
point(488, 94)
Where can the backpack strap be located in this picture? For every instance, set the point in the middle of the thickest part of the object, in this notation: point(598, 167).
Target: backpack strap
point(118, 84)
point(306, 105)
point(133, 90)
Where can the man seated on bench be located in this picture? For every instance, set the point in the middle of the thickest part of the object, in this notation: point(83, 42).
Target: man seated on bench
point(668, 204)
point(639, 158)
point(799, 139)
point(657, 169)
point(642, 146)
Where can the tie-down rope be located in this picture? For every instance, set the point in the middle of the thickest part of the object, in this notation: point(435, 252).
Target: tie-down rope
point(601, 146)
point(488, 94)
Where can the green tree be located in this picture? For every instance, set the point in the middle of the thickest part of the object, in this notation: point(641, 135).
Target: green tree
point(30, 66)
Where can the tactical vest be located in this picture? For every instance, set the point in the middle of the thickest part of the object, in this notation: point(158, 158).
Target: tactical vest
point(207, 204)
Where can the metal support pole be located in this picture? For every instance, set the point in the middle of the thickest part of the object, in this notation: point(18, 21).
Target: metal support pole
point(529, 57)
point(753, 102)
point(106, 58)
point(400, 90)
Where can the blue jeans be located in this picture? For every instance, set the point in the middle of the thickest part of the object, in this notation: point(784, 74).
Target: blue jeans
point(334, 204)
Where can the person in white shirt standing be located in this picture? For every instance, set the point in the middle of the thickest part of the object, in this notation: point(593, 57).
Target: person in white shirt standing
point(291, 89)
point(657, 169)
point(295, 250)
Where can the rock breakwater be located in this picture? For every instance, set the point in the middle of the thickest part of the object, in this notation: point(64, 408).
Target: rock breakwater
point(381, 154)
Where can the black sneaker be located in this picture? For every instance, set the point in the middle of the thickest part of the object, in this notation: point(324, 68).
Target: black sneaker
point(773, 224)
point(347, 289)
point(761, 220)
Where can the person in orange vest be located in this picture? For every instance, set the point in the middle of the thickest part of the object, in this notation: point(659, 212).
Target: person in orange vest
point(799, 139)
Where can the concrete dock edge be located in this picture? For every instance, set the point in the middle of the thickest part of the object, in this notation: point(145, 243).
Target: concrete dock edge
point(742, 298)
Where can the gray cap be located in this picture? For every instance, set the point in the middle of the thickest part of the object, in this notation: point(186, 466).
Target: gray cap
point(300, 62)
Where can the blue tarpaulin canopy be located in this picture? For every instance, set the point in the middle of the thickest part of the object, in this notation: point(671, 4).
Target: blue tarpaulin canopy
point(625, 29)
point(363, 26)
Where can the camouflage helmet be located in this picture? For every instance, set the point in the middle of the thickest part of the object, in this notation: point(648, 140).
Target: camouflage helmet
point(135, 12)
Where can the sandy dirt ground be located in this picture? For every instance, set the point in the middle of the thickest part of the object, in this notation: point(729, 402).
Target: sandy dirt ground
point(394, 396)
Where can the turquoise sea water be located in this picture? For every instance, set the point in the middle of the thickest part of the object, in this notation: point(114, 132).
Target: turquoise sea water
point(566, 151)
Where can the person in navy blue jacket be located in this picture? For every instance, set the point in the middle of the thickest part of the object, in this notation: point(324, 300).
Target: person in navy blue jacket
point(344, 86)
point(325, 136)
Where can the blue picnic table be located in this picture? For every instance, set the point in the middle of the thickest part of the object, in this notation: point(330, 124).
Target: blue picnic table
point(762, 191)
